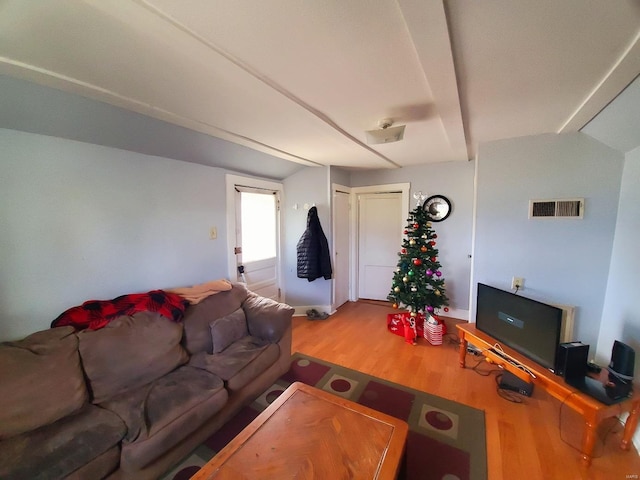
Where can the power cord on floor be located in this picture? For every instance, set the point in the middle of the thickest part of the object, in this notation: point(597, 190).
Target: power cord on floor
point(602, 438)
point(482, 372)
point(508, 395)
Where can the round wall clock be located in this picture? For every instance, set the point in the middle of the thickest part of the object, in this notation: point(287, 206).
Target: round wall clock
point(437, 207)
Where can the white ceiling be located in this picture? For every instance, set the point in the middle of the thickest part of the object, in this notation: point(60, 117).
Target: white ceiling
point(304, 80)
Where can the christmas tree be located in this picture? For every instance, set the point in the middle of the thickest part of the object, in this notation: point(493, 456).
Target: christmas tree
point(417, 284)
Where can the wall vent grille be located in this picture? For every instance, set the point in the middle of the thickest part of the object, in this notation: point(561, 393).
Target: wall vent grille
point(557, 208)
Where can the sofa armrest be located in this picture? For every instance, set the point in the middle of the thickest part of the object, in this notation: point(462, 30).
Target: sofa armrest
point(266, 318)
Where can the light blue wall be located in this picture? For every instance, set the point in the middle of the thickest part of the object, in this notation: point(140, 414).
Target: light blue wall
point(563, 261)
point(308, 186)
point(340, 176)
point(80, 222)
point(34, 108)
point(621, 318)
point(455, 181)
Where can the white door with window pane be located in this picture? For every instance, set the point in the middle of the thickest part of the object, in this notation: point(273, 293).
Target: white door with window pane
point(257, 239)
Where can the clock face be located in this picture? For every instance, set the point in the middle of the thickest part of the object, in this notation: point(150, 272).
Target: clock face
point(437, 208)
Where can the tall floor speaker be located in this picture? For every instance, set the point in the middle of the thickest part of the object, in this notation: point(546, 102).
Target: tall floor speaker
point(571, 361)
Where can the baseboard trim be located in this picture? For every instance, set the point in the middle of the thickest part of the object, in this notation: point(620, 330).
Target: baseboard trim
point(301, 311)
point(455, 313)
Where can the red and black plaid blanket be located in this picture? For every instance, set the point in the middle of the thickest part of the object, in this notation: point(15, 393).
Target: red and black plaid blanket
point(95, 314)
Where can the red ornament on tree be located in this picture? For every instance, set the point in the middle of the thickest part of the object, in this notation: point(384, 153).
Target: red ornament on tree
point(417, 261)
point(432, 243)
point(404, 250)
point(416, 225)
point(433, 259)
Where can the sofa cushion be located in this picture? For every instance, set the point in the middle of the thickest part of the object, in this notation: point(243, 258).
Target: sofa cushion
point(160, 414)
point(41, 380)
point(99, 467)
point(56, 450)
point(266, 318)
point(129, 352)
point(197, 318)
point(228, 329)
point(240, 363)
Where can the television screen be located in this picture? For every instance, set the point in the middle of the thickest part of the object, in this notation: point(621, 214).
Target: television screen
point(530, 327)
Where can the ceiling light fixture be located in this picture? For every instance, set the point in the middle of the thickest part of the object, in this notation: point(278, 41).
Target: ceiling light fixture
point(386, 133)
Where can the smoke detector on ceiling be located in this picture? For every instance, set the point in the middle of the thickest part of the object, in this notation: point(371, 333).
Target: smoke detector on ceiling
point(386, 133)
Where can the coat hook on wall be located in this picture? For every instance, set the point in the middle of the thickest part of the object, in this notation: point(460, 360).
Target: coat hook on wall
point(307, 207)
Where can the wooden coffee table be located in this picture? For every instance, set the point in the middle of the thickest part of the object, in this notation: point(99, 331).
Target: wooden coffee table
point(309, 433)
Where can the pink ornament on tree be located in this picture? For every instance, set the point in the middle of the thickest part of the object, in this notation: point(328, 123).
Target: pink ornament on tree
point(438, 273)
point(429, 272)
point(430, 309)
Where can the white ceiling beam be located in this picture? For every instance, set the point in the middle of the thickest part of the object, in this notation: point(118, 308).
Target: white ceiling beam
point(427, 25)
point(623, 71)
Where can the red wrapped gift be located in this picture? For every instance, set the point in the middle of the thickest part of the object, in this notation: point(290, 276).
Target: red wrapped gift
point(399, 323)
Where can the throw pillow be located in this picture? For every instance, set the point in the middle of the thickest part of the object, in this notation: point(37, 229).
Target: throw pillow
point(197, 318)
point(228, 329)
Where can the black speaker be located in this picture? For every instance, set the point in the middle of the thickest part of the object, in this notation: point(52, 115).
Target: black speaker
point(571, 360)
point(623, 358)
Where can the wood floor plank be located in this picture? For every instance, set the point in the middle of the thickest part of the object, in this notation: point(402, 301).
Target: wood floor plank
point(523, 439)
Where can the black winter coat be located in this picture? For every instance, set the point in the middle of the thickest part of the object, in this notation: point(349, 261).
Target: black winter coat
point(314, 260)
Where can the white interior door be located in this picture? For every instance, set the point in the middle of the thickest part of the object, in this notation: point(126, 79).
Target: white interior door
point(257, 240)
point(380, 222)
point(341, 248)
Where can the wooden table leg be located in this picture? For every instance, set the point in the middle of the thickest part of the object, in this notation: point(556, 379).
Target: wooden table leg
point(462, 354)
point(630, 426)
point(588, 440)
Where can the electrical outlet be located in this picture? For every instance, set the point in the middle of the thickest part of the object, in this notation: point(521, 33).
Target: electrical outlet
point(213, 233)
point(517, 283)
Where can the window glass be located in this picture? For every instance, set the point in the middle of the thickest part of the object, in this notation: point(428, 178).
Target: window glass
point(258, 218)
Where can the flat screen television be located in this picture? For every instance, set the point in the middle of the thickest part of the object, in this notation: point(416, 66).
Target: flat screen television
point(530, 327)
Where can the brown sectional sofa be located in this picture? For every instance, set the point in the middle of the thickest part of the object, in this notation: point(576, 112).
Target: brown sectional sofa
point(130, 400)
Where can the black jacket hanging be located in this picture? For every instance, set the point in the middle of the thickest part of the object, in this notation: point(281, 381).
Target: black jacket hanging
point(314, 260)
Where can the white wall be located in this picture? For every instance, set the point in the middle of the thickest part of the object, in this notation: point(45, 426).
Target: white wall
point(621, 318)
point(80, 221)
point(562, 260)
point(455, 181)
point(308, 186)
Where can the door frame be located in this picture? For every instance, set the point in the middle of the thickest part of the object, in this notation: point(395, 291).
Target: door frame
point(231, 181)
point(404, 189)
point(335, 187)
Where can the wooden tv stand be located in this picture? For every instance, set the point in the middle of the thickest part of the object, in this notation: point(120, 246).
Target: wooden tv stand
point(591, 409)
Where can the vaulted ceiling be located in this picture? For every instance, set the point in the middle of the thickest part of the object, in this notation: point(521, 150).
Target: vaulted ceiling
point(304, 80)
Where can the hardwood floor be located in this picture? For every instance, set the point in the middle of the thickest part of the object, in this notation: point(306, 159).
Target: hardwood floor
point(535, 439)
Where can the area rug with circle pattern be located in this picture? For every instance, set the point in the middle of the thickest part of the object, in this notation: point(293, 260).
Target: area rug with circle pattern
point(446, 439)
